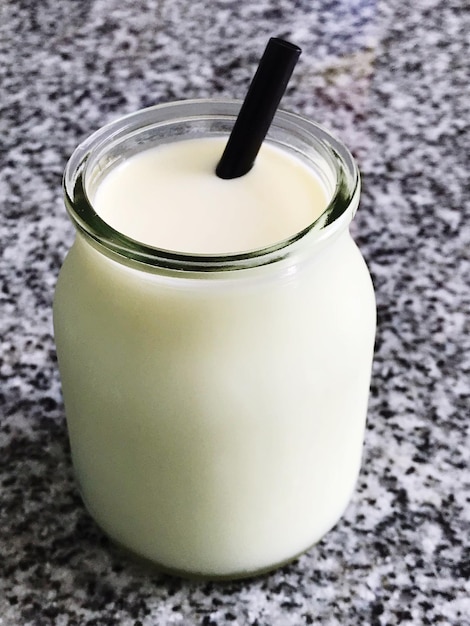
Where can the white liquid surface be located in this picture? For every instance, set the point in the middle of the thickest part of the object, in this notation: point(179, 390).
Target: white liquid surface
point(170, 197)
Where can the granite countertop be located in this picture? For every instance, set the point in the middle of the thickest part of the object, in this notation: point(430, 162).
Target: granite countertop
point(392, 79)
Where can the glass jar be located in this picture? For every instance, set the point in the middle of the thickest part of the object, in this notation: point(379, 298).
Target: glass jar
point(215, 404)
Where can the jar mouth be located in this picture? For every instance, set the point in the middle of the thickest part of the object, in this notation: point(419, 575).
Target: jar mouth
point(184, 119)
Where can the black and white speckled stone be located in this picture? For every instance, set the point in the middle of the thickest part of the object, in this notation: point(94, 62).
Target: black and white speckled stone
point(392, 79)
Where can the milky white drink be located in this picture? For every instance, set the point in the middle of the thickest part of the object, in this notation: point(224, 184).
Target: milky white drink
point(169, 197)
point(216, 374)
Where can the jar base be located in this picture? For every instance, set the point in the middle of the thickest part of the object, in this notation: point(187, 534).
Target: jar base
point(155, 567)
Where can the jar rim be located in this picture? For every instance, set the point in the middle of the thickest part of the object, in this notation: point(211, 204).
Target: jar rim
point(335, 216)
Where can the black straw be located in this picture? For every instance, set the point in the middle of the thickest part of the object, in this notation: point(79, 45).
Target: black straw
point(257, 111)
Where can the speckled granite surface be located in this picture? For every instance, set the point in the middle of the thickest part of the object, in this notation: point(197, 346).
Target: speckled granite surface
point(392, 79)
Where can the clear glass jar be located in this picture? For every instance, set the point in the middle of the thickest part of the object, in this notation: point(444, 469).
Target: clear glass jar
point(216, 405)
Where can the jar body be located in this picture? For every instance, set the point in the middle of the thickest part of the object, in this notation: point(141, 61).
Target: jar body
point(215, 405)
point(216, 426)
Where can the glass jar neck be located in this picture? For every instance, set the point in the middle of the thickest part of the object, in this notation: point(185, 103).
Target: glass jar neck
point(125, 137)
